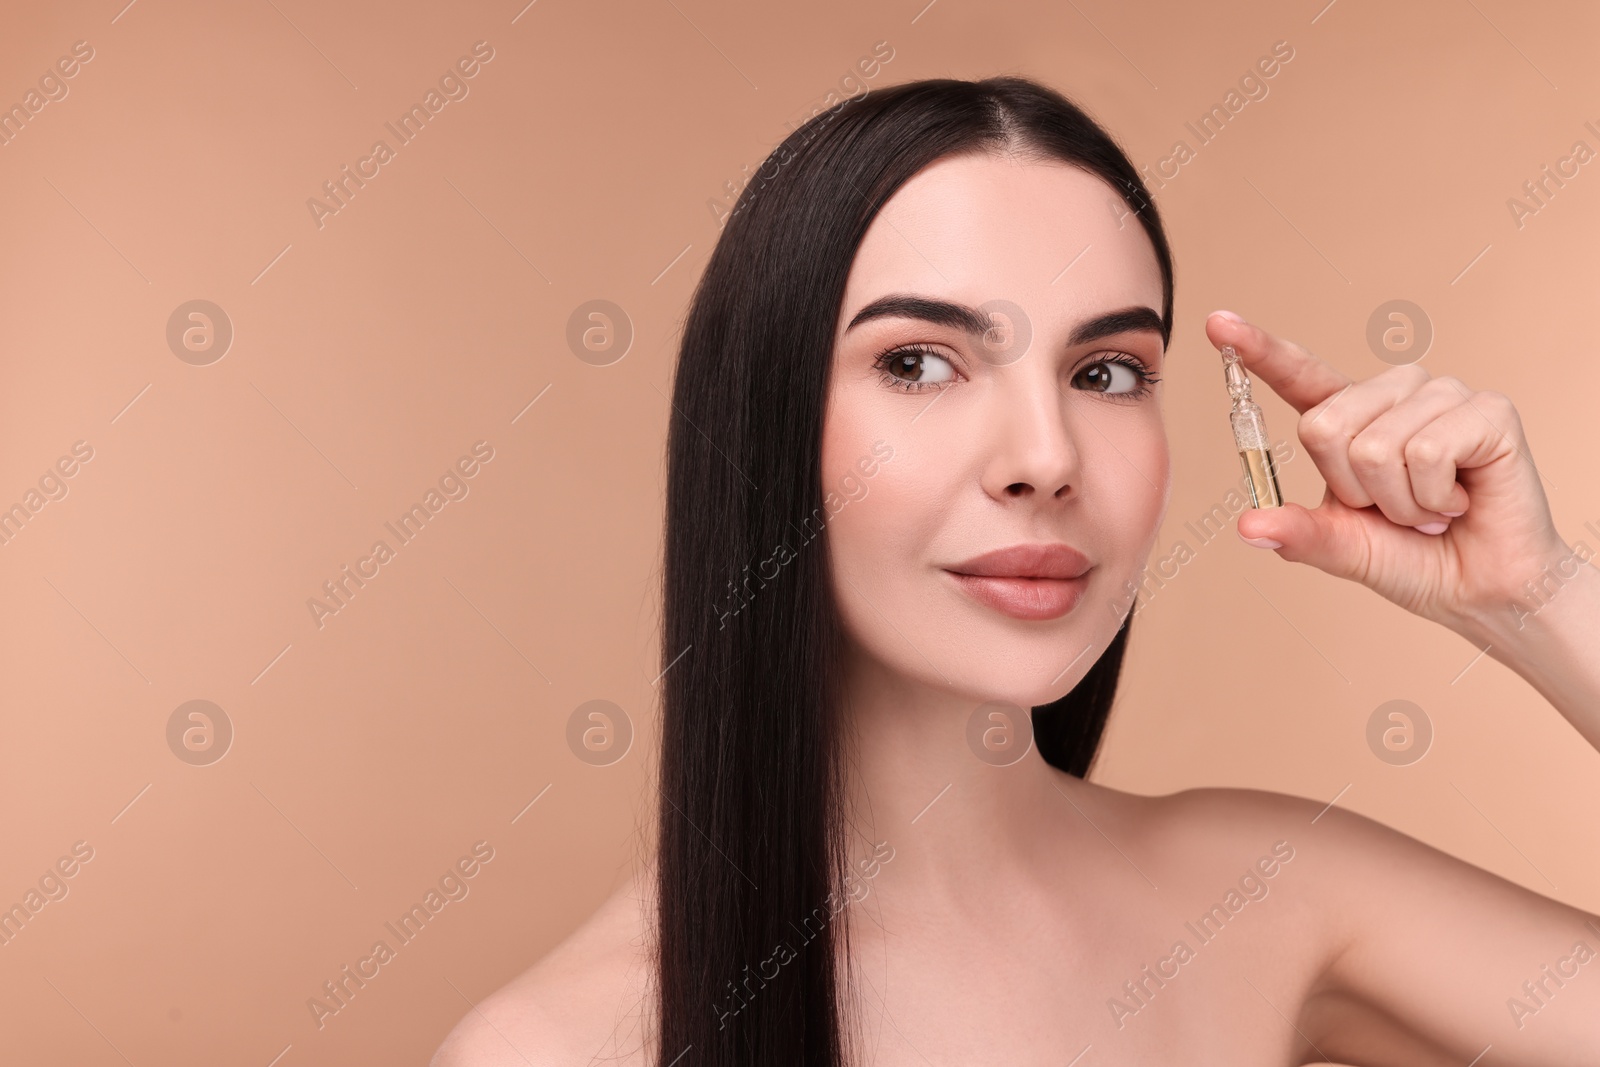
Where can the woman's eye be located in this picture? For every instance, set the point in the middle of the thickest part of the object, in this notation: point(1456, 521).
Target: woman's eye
point(1116, 377)
point(915, 368)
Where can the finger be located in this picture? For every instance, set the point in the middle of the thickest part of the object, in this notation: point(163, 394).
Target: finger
point(1300, 378)
point(1329, 428)
point(1382, 456)
point(1456, 443)
point(1330, 537)
point(1377, 455)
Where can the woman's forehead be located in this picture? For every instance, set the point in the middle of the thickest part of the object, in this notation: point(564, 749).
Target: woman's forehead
point(1045, 235)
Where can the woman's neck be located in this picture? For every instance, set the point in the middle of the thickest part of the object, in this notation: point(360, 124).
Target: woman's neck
point(920, 780)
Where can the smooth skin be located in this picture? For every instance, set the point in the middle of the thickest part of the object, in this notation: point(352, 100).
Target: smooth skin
point(1018, 903)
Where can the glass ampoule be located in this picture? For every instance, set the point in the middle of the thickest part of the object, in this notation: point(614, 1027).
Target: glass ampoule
point(1250, 435)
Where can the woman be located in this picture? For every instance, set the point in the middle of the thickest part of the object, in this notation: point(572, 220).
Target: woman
point(932, 332)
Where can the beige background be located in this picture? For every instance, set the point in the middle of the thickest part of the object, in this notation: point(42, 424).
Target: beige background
point(427, 314)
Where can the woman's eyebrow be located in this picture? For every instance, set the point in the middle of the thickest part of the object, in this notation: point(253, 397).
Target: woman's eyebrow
point(975, 322)
point(928, 309)
point(1123, 320)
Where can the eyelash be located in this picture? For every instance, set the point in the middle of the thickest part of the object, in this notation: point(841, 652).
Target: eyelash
point(883, 360)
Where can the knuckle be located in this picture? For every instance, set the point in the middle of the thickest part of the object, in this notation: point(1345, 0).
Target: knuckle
point(1370, 451)
point(1413, 374)
point(1318, 430)
point(1496, 401)
point(1424, 451)
point(1450, 384)
point(1500, 411)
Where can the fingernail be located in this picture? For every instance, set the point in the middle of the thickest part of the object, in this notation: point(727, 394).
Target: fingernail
point(1230, 316)
point(1453, 514)
point(1433, 527)
point(1261, 542)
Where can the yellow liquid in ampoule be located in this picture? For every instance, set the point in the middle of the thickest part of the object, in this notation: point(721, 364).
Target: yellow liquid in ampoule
point(1263, 476)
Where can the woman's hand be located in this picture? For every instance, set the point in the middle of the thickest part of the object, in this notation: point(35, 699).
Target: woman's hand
point(1432, 499)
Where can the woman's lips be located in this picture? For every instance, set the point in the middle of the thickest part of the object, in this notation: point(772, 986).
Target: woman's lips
point(1025, 598)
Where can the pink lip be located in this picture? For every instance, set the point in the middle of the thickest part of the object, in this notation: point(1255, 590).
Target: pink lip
point(1028, 581)
point(1046, 559)
point(1025, 598)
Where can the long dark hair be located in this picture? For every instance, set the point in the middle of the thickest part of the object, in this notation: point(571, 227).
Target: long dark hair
point(751, 841)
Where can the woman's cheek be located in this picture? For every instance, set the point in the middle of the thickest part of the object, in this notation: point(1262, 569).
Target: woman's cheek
point(1143, 494)
point(878, 531)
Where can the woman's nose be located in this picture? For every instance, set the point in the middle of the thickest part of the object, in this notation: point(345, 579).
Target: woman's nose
point(1034, 450)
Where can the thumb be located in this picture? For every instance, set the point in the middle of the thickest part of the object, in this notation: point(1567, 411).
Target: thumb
point(1330, 538)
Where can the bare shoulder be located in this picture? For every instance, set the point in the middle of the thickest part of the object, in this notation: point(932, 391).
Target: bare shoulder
point(1354, 876)
point(1348, 848)
point(1368, 871)
point(1331, 854)
point(1217, 815)
point(1403, 947)
point(586, 1000)
point(1206, 816)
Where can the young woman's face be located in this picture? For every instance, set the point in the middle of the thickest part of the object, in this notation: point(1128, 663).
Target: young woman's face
point(1040, 432)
